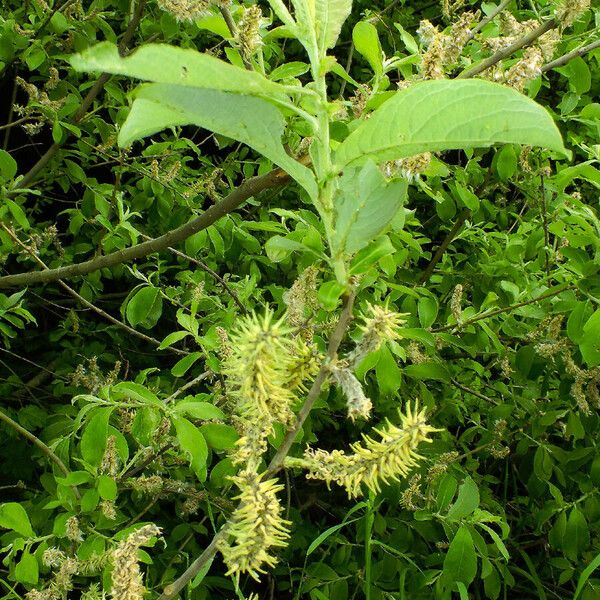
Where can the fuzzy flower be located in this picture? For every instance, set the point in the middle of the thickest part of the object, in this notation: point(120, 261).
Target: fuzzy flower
point(185, 10)
point(303, 366)
point(380, 325)
point(358, 404)
point(374, 461)
point(456, 303)
point(257, 369)
point(248, 34)
point(570, 10)
point(257, 526)
point(410, 168)
point(127, 582)
point(526, 69)
point(301, 298)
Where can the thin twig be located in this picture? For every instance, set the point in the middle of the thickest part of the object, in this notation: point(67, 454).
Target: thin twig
point(475, 393)
point(212, 273)
point(544, 214)
point(498, 311)
point(276, 463)
point(87, 303)
point(24, 181)
point(248, 189)
point(565, 58)
point(526, 40)
point(488, 19)
point(13, 123)
point(188, 385)
point(460, 220)
point(37, 442)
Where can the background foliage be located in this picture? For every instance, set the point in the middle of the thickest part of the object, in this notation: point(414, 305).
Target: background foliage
point(113, 410)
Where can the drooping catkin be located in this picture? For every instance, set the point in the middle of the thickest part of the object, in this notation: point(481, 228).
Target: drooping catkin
point(127, 581)
point(371, 462)
point(256, 527)
point(257, 369)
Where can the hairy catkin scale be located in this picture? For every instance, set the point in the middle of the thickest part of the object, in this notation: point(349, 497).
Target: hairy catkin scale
point(127, 581)
point(380, 325)
point(371, 462)
point(359, 406)
point(257, 369)
point(257, 527)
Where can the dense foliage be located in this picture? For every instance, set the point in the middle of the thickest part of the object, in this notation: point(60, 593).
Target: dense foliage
point(295, 288)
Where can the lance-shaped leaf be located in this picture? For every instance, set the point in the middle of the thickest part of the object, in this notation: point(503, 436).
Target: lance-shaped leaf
point(365, 204)
point(329, 18)
point(162, 63)
point(449, 114)
point(247, 119)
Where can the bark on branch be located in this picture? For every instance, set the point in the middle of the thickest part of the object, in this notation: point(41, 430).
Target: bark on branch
point(246, 190)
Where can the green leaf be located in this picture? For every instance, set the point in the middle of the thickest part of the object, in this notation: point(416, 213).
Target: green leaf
point(17, 212)
point(428, 310)
point(389, 375)
point(366, 42)
point(371, 254)
point(449, 114)
point(27, 570)
point(173, 338)
point(460, 563)
point(365, 205)
point(327, 533)
point(145, 307)
point(329, 294)
point(244, 118)
point(219, 436)
point(192, 442)
point(198, 410)
point(13, 516)
point(329, 18)
point(181, 367)
point(107, 487)
point(590, 342)
point(428, 370)
point(8, 165)
point(95, 434)
point(134, 391)
point(505, 162)
point(162, 63)
point(585, 575)
point(577, 535)
point(466, 502)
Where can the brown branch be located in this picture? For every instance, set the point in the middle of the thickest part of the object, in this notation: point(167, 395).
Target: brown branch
point(460, 220)
point(565, 58)
point(212, 273)
point(498, 311)
point(226, 14)
point(248, 189)
point(276, 463)
point(87, 303)
point(488, 19)
point(37, 442)
point(526, 40)
point(17, 122)
point(98, 86)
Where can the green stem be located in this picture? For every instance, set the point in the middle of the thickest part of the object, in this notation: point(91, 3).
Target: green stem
point(369, 519)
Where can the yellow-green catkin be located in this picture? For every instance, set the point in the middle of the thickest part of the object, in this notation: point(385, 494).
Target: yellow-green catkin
point(371, 462)
point(257, 369)
point(256, 527)
point(379, 325)
point(359, 406)
point(127, 582)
